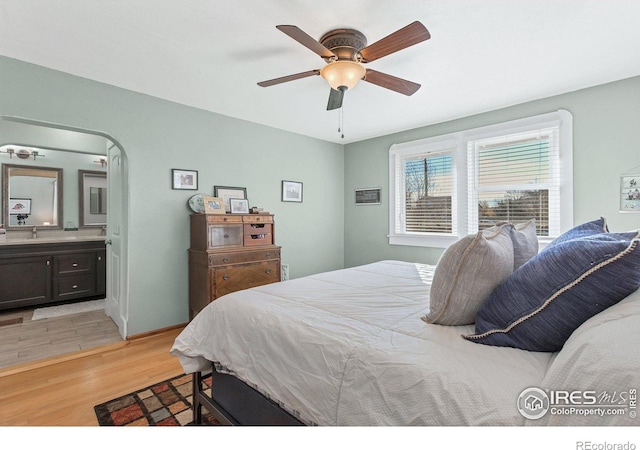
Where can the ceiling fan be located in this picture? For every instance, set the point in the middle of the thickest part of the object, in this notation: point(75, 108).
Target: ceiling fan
point(345, 51)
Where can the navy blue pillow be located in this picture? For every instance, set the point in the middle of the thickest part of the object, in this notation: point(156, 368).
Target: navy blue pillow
point(586, 229)
point(545, 300)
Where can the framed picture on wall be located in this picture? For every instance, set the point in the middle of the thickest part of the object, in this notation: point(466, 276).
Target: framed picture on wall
point(19, 206)
point(229, 192)
point(184, 179)
point(630, 193)
point(291, 191)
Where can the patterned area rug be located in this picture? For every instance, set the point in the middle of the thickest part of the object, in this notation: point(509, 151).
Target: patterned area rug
point(168, 403)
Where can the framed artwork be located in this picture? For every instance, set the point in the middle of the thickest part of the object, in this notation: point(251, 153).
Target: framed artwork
point(228, 192)
point(213, 205)
point(239, 206)
point(291, 191)
point(184, 179)
point(630, 193)
point(19, 206)
point(368, 196)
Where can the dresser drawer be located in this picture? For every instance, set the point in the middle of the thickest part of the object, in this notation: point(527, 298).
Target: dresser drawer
point(213, 218)
point(258, 218)
point(235, 278)
point(74, 264)
point(222, 259)
point(73, 287)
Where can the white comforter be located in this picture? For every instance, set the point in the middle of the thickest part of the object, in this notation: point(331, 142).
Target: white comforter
point(349, 348)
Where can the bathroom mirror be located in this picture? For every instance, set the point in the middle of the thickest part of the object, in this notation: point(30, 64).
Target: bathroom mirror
point(31, 196)
point(92, 201)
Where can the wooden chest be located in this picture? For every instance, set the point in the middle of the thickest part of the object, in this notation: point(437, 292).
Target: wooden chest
point(229, 253)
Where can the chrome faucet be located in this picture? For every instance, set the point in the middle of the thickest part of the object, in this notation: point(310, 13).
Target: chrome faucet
point(104, 231)
point(34, 233)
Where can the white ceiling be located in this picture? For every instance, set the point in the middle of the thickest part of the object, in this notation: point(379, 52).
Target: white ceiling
point(483, 54)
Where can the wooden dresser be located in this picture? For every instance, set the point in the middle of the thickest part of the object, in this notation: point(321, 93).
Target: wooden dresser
point(228, 253)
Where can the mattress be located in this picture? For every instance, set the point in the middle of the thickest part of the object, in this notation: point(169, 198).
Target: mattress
point(348, 347)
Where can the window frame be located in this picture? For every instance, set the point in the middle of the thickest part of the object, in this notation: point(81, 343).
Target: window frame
point(457, 144)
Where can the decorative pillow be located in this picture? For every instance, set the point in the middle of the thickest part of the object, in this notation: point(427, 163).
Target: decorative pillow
point(467, 272)
point(545, 300)
point(525, 242)
point(586, 229)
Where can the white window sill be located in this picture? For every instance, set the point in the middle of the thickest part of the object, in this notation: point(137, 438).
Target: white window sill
point(423, 240)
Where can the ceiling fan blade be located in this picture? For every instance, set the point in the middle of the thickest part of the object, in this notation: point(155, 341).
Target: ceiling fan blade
point(401, 39)
point(296, 33)
point(296, 76)
point(390, 82)
point(335, 99)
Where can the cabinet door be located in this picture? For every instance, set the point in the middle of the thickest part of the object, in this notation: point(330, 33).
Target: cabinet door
point(25, 281)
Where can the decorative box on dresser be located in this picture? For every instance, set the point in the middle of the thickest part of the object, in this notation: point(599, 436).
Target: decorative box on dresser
point(228, 253)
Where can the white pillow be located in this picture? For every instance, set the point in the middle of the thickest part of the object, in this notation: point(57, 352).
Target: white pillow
point(468, 271)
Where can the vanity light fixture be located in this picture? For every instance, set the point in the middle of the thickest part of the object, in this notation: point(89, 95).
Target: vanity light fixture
point(102, 162)
point(22, 153)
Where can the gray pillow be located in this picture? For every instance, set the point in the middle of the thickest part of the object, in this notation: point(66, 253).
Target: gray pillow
point(525, 242)
point(468, 271)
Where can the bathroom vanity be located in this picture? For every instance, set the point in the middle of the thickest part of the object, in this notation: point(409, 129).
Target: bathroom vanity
point(35, 272)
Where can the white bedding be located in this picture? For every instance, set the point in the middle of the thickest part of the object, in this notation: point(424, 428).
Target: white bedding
point(349, 348)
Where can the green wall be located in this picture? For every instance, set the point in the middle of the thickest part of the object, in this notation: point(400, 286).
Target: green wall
point(159, 135)
point(606, 144)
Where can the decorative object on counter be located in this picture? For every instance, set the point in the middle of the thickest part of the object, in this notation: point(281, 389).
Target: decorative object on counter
point(291, 191)
point(256, 210)
point(368, 196)
point(239, 206)
point(213, 205)
point(23, 153)
point(196, 203)
point(227, 193)
point(630, 192)
point(184, 179)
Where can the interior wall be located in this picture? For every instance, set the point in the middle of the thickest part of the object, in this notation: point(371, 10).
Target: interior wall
point(158, 136)
point(606, 143)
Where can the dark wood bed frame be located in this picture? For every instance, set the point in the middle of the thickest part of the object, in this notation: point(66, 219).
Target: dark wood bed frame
point(233, 402)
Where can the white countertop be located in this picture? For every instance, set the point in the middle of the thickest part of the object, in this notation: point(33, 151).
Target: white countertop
point(52, 240)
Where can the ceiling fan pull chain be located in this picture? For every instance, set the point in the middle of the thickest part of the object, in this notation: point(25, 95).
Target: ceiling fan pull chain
point(341, 122)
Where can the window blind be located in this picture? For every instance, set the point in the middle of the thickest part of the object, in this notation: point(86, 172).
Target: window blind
point(428, 190)
point(515, 178)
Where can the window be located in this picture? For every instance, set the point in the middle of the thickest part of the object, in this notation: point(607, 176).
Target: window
point(449, 186)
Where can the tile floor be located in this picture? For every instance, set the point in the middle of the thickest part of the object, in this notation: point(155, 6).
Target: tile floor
point(23, 340)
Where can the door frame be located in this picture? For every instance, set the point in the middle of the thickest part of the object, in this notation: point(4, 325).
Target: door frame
point(121, 315)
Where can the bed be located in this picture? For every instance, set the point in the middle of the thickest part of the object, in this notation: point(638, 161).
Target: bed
point(351, 347)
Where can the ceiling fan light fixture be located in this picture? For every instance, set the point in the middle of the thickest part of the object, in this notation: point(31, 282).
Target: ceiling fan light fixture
point(343, 73)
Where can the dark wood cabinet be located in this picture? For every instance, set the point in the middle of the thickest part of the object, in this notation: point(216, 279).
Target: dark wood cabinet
point(35, 274)
point(229, 253)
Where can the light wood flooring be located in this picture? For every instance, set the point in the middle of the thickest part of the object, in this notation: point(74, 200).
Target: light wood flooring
point(64, 390)
point(29, 340)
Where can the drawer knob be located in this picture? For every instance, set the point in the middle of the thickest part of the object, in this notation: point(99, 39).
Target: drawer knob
point(225, 277)
point(226, 236)
point(74, 265)
point(225, 259)
point(268, 271)
point(75, 286)
point(268, 255)
point(48, 263)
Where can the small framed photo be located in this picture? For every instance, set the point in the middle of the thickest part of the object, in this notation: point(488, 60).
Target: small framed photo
point(229, 192)
point(19, 206)
point(213, 205)
point(239, 206)
point(291, 191)
point(184, 179)
point(630, 193)
point(368, 196)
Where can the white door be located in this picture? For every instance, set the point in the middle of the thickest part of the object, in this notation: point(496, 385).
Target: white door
point(117, 304)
